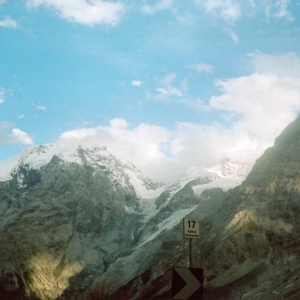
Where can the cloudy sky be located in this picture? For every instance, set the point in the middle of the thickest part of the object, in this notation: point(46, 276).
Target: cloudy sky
point(166, 84)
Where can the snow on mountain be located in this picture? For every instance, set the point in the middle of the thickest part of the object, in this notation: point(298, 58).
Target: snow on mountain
point(123, 173)
point(144, 187)
point(168, 223)
point(222, 183)
point(228, 168)
point(225, 175)
point(35, 157)
point(228, 174)
point(6, 168)
point(191, 174)
point(194, 172)
point(120, 171)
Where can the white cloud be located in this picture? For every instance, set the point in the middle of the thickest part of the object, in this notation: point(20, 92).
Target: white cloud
point(40, 107)
point(8, 22)
point(202, 68)
point(166, 94)
point(171, 91)
point(232, 10)
point(264, 103)
point(168, 79)
point(197, 104)
point(229, 10)
point(142, 145)
point(21, 116)
point(257, 108)
point(87, 12)
point(278, 9)
point(4, 126)
point(16, 136)
point(285, 65)
point(158, 6)
point(19, 136)
point(118, 123)
point(175, 8)
point(232, 34)
point(136, 82)
point(167, 90)
point(281, 10)
point(2, 94)
point(198, 145)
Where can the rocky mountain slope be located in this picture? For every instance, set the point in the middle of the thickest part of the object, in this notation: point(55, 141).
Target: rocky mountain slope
point(76, 217)
point(250, 236)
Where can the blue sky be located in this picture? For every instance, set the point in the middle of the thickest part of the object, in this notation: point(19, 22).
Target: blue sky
point(166, 84)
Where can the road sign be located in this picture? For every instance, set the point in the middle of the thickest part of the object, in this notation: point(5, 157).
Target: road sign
point(187, 284)
point(191, 229)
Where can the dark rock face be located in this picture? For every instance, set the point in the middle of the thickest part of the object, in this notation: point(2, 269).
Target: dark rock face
point(68, 228)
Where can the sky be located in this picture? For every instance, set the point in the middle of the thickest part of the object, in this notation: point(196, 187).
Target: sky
point(165, 84)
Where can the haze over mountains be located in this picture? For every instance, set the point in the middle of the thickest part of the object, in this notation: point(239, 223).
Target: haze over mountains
point(73, 219)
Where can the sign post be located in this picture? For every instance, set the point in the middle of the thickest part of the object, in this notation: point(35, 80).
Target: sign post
point(191, 231)
point(187, 283)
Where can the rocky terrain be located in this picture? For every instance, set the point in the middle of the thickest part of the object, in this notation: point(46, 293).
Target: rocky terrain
point(250, 235)
point(76, 220)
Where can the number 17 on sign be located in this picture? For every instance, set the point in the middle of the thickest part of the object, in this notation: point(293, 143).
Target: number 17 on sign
point(190, 231)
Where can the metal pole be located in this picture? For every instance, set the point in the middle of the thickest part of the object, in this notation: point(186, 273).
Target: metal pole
point(190, 245)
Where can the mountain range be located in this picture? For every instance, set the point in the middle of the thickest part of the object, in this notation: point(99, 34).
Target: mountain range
point(75, 220)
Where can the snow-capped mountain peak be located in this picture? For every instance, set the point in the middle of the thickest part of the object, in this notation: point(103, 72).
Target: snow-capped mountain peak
point(228, 168)
point(226, 174)
point(119, 172)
